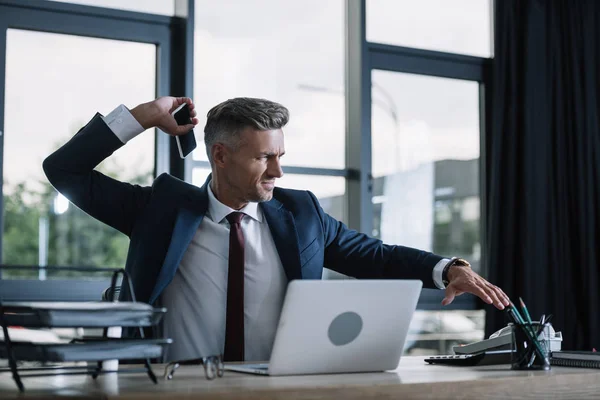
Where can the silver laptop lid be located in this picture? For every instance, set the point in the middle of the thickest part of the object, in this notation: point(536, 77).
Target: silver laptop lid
point(343, 326)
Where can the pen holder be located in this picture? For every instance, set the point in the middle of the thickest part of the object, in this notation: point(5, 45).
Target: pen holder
point(525, 352)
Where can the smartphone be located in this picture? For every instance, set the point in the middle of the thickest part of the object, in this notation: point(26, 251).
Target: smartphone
point(185, 143)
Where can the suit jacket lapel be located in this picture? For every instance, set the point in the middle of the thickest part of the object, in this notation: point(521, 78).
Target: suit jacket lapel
point(188, 220)
point(189, 217)
point(282, 226)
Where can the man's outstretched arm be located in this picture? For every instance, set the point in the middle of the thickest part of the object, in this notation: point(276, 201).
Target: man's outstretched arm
point(356, 254)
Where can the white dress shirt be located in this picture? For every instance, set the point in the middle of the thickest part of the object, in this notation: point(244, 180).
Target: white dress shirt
point(196, 298)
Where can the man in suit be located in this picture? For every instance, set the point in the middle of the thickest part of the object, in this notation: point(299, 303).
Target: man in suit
point(219, 257)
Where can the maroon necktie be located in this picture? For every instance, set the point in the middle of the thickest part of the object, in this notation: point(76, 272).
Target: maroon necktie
point(234, 323)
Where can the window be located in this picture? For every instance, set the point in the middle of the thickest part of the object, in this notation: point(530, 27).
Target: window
point(426, 163)
point(457, 26)
point(291, 52)
point(425, 146)
point(54, 84)
point(162, 7)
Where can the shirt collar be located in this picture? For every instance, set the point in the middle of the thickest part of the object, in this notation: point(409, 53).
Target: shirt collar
point(218, 211)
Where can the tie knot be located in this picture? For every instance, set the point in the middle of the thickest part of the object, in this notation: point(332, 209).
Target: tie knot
point(235, 217)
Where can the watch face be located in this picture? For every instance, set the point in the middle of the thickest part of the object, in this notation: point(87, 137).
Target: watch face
point(462, 263)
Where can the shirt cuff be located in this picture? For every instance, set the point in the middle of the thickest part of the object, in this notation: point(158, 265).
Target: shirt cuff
point(437, 273)
point(123, 124)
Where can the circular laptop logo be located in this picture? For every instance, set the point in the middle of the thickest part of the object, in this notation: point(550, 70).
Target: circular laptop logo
point(345, 328)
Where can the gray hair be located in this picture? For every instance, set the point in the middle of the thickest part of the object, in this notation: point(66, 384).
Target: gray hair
point(225, 121)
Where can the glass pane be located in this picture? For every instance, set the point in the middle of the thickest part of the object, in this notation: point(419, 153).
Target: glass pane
point(457, 26)
point(425, 147)
point(54, 85)
point(426, 163)
point(289, 52)
point(437, 332)
point(162, 7)
point(330, 190)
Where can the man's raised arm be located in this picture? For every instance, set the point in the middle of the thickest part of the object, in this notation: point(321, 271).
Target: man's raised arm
point(70, 169)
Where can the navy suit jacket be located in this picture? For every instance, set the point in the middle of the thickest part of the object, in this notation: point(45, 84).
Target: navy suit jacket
point(161, 220)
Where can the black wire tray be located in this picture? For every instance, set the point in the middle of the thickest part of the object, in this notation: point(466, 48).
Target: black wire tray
point(87, 350)
point(88, 314)
point(81, 314)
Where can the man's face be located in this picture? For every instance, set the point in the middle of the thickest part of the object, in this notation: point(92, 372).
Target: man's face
point(251, 170)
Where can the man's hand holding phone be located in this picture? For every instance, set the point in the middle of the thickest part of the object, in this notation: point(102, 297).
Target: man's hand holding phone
point(159, 113)
point(175, 116)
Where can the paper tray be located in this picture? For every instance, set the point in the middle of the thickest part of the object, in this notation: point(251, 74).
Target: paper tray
point(81, 314)
point(91, 350)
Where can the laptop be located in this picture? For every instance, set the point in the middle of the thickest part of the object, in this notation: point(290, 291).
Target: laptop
point(340, 326)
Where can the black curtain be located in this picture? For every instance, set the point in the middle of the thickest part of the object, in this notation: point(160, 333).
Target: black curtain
point(543, 164)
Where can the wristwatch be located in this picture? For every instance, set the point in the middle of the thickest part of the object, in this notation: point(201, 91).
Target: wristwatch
point(454, 261)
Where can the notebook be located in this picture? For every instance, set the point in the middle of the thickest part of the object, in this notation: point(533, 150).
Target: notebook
point(580, 359)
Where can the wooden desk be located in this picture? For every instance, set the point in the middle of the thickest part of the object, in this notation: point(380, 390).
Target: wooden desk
point(413, 379)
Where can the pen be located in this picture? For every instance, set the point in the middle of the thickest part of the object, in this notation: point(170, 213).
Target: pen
point(545, 335)
point(526, 325)
point(529, 321)
point(525, 311)
point(542, 323)
point(516, 314)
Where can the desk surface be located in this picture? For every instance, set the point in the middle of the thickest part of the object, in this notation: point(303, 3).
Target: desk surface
point(413, 379)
